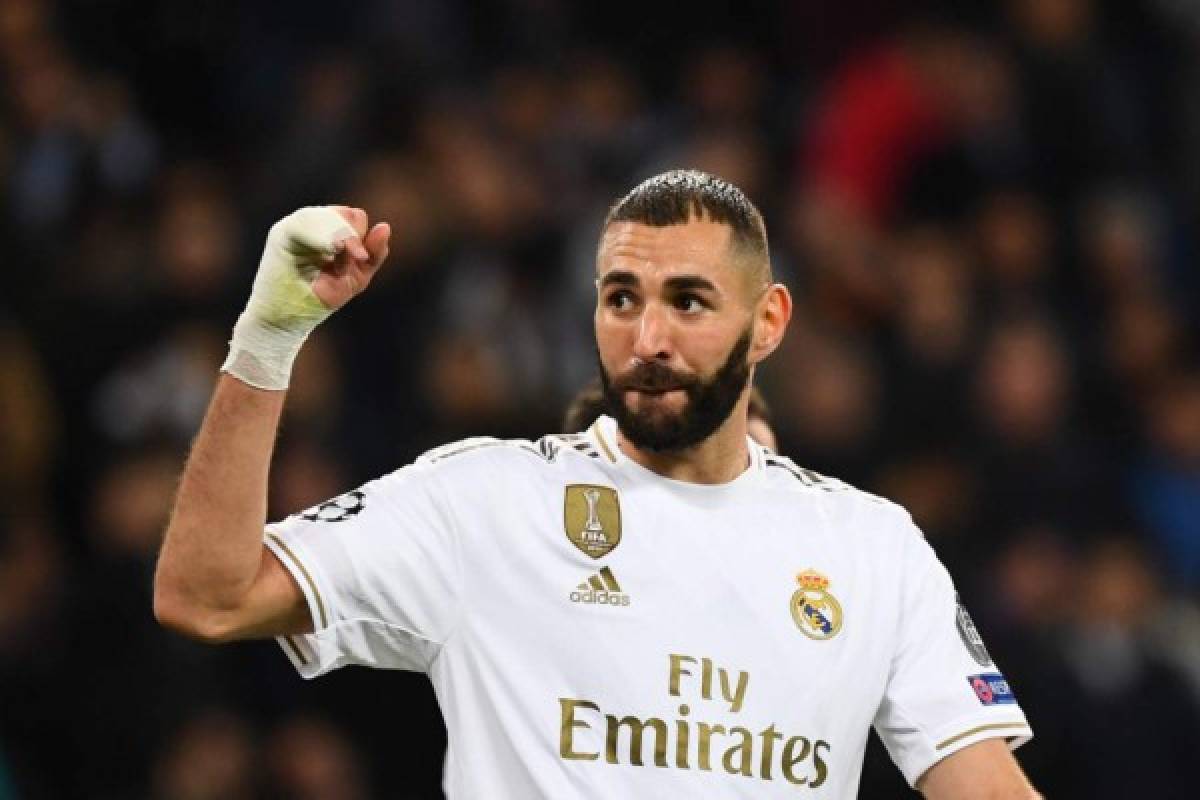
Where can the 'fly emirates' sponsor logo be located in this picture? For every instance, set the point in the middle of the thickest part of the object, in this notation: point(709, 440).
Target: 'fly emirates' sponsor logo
point(685, 743)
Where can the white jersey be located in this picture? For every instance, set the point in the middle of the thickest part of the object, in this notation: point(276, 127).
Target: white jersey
point(595, 630)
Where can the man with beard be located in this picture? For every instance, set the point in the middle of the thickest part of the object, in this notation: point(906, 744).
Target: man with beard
point(589, 404)
point(658, 607)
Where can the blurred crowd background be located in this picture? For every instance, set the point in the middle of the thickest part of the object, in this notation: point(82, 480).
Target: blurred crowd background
point(989, 219)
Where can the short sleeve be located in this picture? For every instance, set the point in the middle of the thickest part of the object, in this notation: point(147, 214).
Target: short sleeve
point(379, 570)
point(943, 692)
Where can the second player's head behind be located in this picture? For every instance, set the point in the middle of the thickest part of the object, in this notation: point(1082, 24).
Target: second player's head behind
point(686, 309)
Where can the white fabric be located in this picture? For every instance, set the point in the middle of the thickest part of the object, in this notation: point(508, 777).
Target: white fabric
point(460, 566)
point(283, 310)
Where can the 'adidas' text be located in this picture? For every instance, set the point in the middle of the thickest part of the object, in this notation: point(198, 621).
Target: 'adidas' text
point(600, 589)
point(605, 597)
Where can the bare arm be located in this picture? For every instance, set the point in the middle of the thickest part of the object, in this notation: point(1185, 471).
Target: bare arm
point(983, 771)
point(216, 581)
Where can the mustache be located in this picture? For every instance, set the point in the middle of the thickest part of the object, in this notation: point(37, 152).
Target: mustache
point(652, 377)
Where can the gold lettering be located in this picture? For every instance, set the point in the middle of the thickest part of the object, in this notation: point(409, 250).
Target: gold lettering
point(681, 738)
point(819, 763)
point(745, 751)
point(769, 735)
point(636, 726)
point(706, 731)
point(739, 693)
point(736, 756)
point(676, 671)
point(566, 734)
point(791, 759)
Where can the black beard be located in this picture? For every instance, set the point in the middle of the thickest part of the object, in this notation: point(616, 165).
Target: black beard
point(709, 402)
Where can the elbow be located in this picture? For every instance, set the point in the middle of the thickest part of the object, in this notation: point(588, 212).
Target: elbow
point(175, 613)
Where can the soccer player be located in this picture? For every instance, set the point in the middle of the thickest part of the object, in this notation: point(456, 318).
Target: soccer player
point(656, 607)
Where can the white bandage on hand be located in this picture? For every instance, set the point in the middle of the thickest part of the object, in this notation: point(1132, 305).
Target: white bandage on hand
point(282, 310)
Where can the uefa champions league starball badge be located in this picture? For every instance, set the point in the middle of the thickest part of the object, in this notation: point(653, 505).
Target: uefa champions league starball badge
point(815, 611)
point(339, 509)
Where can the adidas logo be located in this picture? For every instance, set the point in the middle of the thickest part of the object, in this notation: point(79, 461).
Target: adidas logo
point(601, 588)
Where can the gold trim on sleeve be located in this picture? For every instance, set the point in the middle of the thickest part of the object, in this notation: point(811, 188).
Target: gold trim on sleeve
point(979, 729)
point(603, 444)
point(291, 643)
point(308, 578)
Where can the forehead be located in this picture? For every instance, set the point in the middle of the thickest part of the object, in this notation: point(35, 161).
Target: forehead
point(698, 247)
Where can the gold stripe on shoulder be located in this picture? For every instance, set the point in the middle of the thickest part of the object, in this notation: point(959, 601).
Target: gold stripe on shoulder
point(308, 578)
point(994, 726)
point(595, 429)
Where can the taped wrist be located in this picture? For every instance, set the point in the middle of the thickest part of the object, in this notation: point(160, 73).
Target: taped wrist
point(261, 354)
point(283, 310)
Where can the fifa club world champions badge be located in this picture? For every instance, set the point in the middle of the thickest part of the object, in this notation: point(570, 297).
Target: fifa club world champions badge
point(592, 518)
point(816, 612)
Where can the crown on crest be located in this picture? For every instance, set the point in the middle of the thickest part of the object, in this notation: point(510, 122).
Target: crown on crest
point(812, 580)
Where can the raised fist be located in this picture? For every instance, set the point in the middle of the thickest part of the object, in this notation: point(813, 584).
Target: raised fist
point(314, 261)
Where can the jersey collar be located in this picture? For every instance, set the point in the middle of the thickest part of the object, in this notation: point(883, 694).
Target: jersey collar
point(604, 433)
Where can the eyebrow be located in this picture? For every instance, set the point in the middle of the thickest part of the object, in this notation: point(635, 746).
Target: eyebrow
point(681, 283)
point(619, 277)
point(677, 283)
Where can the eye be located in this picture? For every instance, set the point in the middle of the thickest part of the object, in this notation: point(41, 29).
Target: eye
point(689, 303)
point(620, 300)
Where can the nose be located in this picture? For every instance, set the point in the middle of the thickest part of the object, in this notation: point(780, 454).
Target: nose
point(653, 341)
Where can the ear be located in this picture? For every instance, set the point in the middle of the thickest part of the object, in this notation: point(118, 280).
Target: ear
point(771, 316)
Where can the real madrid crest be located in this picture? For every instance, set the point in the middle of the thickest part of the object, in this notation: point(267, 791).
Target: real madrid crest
point(592, 518)
point(816, 612)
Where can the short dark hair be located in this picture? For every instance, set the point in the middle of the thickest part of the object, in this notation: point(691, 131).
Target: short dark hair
point(585, 407)
point(678, 196)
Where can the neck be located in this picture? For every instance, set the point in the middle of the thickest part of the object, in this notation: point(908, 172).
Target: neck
point(718, 459)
